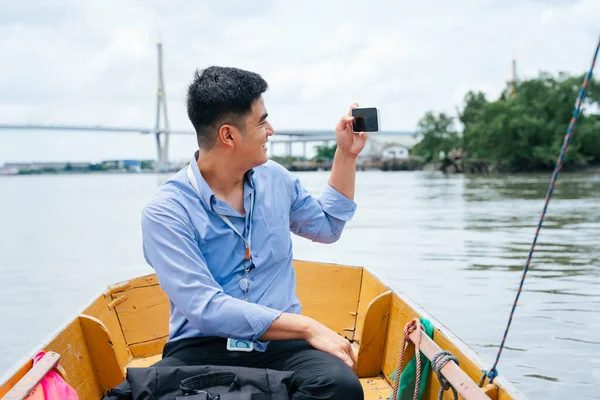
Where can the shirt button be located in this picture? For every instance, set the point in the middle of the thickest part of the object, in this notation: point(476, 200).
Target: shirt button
point(214, 201)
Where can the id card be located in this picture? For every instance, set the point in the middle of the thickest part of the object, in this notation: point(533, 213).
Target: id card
point(239, 345)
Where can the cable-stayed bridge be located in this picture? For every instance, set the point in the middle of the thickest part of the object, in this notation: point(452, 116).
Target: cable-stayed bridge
point(162, 132)
point(285, 137)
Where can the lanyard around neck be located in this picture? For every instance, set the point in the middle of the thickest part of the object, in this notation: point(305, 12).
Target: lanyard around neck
point(247, 241)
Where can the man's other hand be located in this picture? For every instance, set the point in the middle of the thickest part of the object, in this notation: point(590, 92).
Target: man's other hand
point(296, 326)
point(348, 142)
point(322, 338)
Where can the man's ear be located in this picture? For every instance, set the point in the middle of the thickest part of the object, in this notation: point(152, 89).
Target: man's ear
point(225, 134)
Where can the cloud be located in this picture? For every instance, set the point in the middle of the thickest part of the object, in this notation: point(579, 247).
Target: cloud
point(95, 62)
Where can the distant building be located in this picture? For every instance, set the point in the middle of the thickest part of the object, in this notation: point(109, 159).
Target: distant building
point(381, 146)
point(131, 165)
point(9, 169)
point(77, 166)
point(15, 168)
point(37, 167)
point(394, 152)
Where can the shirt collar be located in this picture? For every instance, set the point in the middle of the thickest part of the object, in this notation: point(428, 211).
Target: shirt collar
point(206, 193)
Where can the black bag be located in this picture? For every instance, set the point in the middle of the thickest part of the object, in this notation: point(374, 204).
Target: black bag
point(205, 382)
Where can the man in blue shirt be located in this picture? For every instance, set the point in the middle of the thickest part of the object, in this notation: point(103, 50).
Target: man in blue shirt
point(218, 236)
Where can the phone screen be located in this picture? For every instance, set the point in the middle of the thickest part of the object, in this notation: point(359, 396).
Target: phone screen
point(365, 120)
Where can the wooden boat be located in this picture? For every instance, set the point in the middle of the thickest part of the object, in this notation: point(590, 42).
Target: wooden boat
point(127, 326)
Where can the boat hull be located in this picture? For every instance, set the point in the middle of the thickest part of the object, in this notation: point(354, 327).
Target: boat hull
point(127, 326)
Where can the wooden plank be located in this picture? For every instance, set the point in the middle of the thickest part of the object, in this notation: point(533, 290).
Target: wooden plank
point(371, 287)
point(118, 300)
point(33, 377)
point(100, 346)
point(142, 281)
point(400, 314)
point(372, 342)
point(463, 384)
point(143, 362)
point(144, 316)
point(75, 359)
point(116, 288)
point(329, 294)
point(99, 309)
point(376, 388)
point(149, 348)
point(466, 364)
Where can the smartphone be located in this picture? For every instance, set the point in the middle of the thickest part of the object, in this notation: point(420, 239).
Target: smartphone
point(365, 120)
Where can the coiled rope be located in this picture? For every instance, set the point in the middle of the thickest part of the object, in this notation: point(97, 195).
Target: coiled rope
point(409, 328)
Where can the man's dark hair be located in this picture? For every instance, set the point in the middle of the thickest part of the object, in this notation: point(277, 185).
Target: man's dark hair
point(221, 95)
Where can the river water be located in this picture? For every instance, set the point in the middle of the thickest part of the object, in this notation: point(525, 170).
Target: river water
point(455, 244)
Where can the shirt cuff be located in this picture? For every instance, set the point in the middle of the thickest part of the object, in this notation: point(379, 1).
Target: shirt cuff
point(260, 319)
point(336, 204)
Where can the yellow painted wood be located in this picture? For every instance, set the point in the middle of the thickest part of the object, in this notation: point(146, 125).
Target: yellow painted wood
point(400, 314)
point(142, 281)
point(371, 287)
point(100, 347)
point(372, 342)
point(491, 391)
point(149, 348)
point(99, 309)
point(142, 362)
point(338, 296)
point(144, 316)
point(75, 359)
point(118, 300)
point(12, 381)
point(376, 388)
point(329, 294)
point(402, 311)
point(117, 287)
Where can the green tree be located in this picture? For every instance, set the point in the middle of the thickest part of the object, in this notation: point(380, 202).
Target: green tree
point(439, 137)
point(527, 131)
point(325, 153)
point(147, 164)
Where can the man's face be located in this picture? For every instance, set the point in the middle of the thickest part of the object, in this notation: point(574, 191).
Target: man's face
point(254, 140)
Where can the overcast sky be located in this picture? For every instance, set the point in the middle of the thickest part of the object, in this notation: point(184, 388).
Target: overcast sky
point(95, 62)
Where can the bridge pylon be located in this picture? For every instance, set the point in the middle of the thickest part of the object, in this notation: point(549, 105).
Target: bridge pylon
point(162, 147)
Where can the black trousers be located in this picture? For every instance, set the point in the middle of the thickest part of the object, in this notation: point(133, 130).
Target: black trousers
point(317, 375)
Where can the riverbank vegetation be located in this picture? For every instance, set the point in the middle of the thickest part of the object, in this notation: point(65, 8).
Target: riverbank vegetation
point(522, 130)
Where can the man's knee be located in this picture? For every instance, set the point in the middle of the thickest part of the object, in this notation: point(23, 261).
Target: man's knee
point(347, 385)
point(336, 383)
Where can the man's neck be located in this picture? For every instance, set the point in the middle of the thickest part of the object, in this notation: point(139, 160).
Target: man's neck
point(220, 174)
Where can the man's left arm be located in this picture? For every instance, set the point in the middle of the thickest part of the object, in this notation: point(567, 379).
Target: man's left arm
point(323, 219)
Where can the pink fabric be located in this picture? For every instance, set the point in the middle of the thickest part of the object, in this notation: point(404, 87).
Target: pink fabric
point(53, 385)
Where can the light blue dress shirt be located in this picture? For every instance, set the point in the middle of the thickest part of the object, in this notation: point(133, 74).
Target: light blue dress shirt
point(198, 257)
